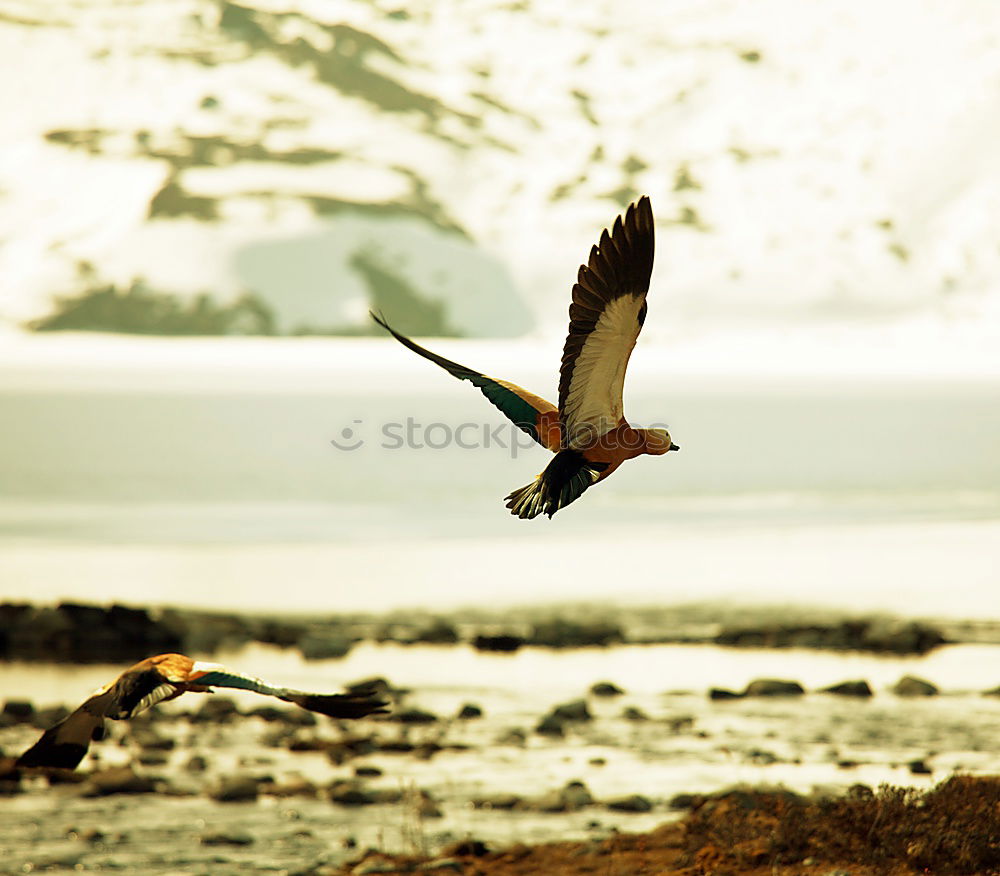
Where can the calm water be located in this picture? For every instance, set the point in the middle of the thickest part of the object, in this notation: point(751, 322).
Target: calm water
point(208, 482)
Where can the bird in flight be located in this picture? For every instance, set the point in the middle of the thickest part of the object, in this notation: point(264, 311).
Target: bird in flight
point(587, 432)
point(166, 677)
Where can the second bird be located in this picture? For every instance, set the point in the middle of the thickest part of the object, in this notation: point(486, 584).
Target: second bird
point(587, 432)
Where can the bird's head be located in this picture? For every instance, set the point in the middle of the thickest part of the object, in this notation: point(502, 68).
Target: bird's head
point(658, 442)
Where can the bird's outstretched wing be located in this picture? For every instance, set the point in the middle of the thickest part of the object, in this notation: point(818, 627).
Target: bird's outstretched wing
point(606, 315)
point(163, 677)
point(357, 704)
point(64, 744)
point(527, 411)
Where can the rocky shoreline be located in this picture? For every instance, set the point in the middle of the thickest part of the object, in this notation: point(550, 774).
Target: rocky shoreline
point(91, 633)
point(489, 776)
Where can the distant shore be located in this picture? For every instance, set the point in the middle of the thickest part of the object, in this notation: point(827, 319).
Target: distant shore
point(94, 633)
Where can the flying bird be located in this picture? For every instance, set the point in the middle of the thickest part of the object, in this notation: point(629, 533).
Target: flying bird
point(587, 432)
point(166, 677)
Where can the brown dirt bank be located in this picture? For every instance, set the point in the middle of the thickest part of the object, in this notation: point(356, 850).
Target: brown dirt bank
point(952, 829)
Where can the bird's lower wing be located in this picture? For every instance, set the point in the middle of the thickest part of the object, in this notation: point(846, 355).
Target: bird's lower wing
point(350, 705)
point(606, 316)
point(64, 744)
point(527, 411)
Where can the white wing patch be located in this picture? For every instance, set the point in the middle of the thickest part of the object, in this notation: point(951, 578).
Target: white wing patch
point(202, 666)
point(156, 695)
point(594, 402)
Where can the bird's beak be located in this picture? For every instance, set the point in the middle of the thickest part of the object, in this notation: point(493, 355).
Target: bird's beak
point(673, 447)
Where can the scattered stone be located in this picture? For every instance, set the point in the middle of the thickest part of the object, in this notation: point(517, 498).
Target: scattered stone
point(773, 687)
point(550, 725)
point(414, 716)
point(513, 736)
point(503, 642)
point(440, 632)
point(684, 801)
point(762, 757)
point(467, 848)
point(297, 786)
point(196, 764)
point(910, 686)
point(324, 645)
point(227, 838)
point(398, 746)
point(116, 780)
point(236, 789)
point(367, 771)
point(878, 635)
point(919, 767)
point(153, 741)
point(573, 711)
point(858, 688)
point(469, 711)
point(562, 633)
point(216, 710)
point(498, 801)
point(721, 693)
point(350, 794)
point(633, 713)
point(598, 761)
point(606, 689)
point(631, 803)
point(153, 758)
point(992, 693)
point(568, 799)
point(17, 712)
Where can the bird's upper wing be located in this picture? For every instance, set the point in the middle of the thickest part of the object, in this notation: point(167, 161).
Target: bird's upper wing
point(606, 315)
point(527, 411)
point(350, 705)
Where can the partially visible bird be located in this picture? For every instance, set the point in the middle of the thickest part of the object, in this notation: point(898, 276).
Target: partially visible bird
point(166, 677)
point(588, 432)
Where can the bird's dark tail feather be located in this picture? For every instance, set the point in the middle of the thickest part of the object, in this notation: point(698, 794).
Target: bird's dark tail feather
point(563, 481)
point(350, 705)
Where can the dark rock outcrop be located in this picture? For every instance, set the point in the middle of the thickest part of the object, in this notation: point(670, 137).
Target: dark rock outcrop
point(910, 686)
point(858, 688)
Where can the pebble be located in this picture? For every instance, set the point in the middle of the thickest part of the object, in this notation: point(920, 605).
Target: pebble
point(773, 687)
point(911, 686)
point(606, 689)
point(227, 838)
point(236, 789)
point(116, 780)
point(631, 803)
point(858, 688)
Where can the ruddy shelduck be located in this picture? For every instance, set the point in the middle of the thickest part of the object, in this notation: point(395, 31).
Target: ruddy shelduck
point(166, 677)
point(587, 432)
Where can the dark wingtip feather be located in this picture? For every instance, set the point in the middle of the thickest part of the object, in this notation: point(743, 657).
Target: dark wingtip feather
point(352, 705)
point(49, 753)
